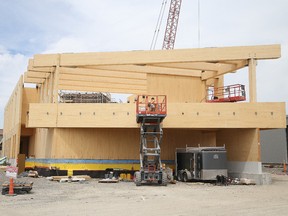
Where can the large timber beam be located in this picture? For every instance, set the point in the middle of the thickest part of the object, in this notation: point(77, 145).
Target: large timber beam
point(202, 66)
point(224, 68)
point(148, 69)
point(102, 73)
point(159, 56)
point(28, 79)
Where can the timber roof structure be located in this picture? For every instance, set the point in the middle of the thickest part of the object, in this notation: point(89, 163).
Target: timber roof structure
point(126, 72)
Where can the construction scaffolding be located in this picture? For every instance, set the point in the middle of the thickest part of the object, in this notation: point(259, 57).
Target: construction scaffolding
point(84, 97)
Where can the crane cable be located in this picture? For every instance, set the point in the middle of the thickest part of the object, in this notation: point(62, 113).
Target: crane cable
point(158, 25)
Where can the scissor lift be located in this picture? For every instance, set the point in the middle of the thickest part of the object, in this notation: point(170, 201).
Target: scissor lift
point(231, 93)
point(150, 112)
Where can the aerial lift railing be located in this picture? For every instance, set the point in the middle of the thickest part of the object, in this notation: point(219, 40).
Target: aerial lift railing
point(230, 93)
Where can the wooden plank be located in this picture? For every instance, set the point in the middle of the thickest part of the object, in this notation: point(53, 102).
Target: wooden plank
point(160, 56)
point(101, 73)
point(151, 70)
point(181, 115)
point(58, 178)
point(21, 163)
point(102, 79)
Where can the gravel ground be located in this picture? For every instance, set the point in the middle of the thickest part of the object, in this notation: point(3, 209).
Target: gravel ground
point(124, 198)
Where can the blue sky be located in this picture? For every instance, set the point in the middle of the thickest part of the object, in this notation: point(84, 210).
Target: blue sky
point(29, 27)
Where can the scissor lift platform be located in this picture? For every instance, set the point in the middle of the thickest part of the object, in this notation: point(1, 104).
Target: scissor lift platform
point(231, 93)
point(150, 112)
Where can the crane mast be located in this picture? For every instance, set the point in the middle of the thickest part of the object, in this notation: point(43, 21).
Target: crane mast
point(172, 23)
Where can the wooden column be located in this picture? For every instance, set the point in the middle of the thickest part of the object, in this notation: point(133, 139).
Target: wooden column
point(56, 81)
point(252, 80)
point(219, 82)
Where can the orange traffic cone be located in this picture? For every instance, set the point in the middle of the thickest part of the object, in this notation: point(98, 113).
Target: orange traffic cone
point(11, 188)
point(284, 167)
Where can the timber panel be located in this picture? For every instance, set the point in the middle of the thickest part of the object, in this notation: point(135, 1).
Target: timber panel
point(241, 144)
point(180, 115)
point(177, 88)
point(30, 95)
point(117, 144)
point(12, 122)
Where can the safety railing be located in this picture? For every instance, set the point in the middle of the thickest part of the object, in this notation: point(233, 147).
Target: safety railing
point(151, 104)
point(230, 93)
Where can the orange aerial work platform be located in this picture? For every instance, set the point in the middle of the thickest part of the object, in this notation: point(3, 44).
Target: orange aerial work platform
point(150, 112)
point(230, 93)
point(152, 106)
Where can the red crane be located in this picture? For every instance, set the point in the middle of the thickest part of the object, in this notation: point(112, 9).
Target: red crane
point(172, 23)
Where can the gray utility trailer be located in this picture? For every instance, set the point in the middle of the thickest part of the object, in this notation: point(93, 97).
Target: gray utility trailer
point(200, 163)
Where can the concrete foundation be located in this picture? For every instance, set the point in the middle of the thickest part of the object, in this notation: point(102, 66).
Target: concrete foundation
point(260, 179)
point(249, 170)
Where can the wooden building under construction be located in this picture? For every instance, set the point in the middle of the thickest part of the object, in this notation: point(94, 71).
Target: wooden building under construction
point(55, 129)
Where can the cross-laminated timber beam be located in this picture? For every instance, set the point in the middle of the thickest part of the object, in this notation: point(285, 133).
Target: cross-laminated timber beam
point(36, 80)
point(224, 68)
point(181, 115)
point(159, 56)
point(148, 69)
point(110, 73)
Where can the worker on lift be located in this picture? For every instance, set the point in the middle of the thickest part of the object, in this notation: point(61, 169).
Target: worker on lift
point(152, 105)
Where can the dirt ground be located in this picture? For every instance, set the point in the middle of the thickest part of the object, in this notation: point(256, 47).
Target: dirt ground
point(124, 198)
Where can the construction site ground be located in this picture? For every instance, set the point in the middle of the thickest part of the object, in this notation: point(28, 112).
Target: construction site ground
point(124, 198)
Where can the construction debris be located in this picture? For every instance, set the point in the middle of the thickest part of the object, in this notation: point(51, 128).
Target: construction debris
point(3, 161)
point(108, 180)
point(33, 174)
point(72, 179)
point(19, 187)
point(78, 178)
point(245, 181)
